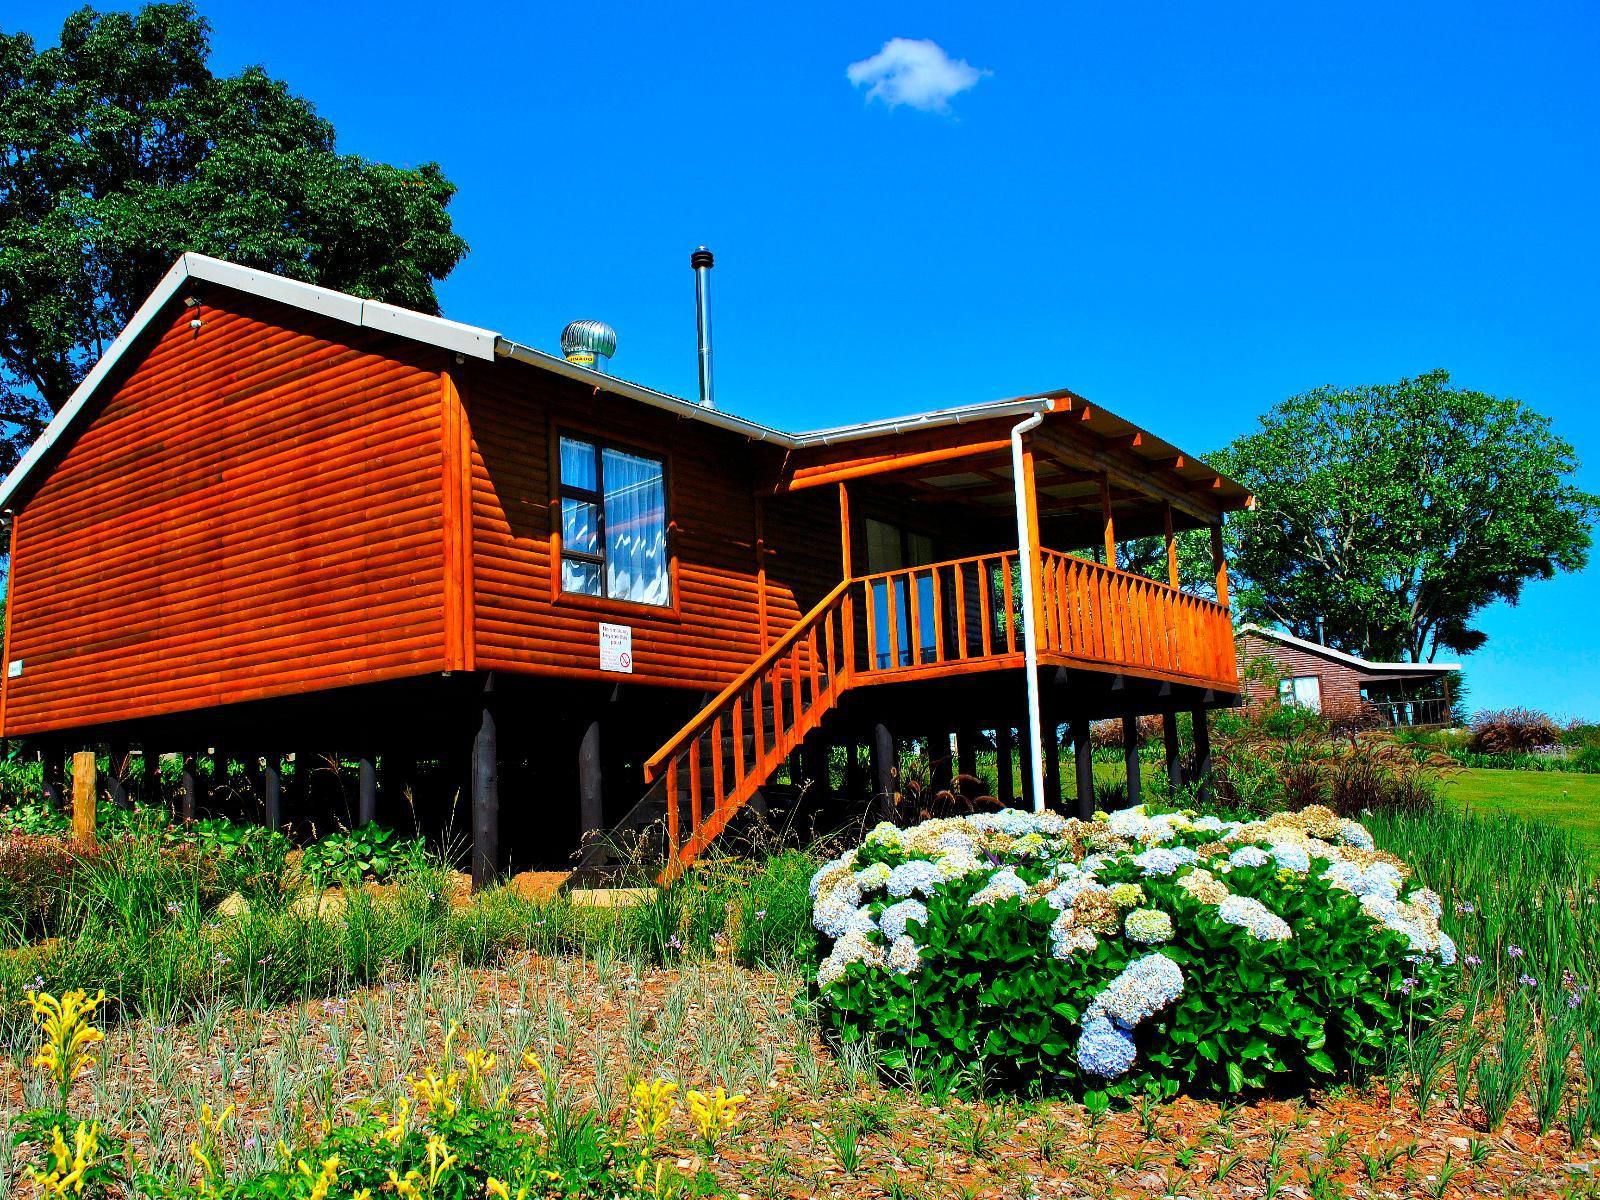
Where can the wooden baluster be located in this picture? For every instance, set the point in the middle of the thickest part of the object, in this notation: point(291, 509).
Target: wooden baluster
point(758, 723)
point(1063, 573)
point(1075, 613)
point(1108, 592)
point(938, 618)
point(797, 696)
point(694, 787)
point(961, 610)
point(986, 607)
point(719, 796)
point(672, 806)
point(776, 674)
point(831, 649)
point(1011, 625)
point(816, 672)
point(872, 629)
point(738, 740)
point(914, 624)
point(891, 595)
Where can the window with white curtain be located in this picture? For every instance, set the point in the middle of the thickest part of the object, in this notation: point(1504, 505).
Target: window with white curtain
point(613, 523)
point(1302, 690)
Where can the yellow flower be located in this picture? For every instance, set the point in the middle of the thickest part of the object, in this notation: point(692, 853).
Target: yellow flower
point(714, 1114)
point(663, 1186)
point(440, 1160)
point(499, 1190)
point(396, 1131)
point(438, 1095)
point(325, 1178)
point(68, 1164)
point(69, 1035)
point(653, 1102)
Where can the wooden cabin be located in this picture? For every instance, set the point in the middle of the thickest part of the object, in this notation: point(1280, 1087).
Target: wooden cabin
point(1400, 695)
point(276, 519)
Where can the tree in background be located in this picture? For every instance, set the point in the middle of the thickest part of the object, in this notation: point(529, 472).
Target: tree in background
point(120, 150)
point(1393, 514)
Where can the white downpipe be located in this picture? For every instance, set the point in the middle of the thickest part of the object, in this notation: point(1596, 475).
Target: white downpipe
point(1028, 557)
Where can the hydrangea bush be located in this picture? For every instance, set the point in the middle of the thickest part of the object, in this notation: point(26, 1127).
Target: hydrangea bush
point(1132, 952)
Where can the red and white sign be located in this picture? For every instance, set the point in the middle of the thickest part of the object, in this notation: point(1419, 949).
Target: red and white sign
point(616, 648)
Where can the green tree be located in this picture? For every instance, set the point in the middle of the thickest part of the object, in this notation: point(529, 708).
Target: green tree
point(1391, 515)
point(120, 150)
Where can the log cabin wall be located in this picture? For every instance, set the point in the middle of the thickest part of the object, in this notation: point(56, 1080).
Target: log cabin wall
point(1339, 683)
point(712, 631)
point(253, 511)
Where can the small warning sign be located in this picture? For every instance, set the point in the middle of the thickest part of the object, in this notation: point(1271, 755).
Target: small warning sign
point(616, 648)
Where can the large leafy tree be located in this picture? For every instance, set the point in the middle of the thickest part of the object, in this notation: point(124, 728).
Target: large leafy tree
point(120, 150)
point(1389, 516)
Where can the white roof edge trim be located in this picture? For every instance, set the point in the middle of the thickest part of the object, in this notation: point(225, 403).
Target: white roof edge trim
point(352, 310)
point(1395, 668)
point(164, 291)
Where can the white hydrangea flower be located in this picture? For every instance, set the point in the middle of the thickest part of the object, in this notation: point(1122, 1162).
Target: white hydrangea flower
point(886, 834)
point(1262, 924)
point(1066, 939)
point(894, 919)
point(918, 877)
point(1158, 860)
point(873, 878)
point(905, 956)
point(852, 948)
point(1249, 856)
point(1143, 988)
point(957, 864)
point(1148, 926)
point(1002, 885)
point(843, 865)
point(1352, 833)
point(834, 913)
point(1290, 857)
point(1070, 888)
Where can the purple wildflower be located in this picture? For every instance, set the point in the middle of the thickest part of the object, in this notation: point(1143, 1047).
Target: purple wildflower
point(1513, 951)
point(1527, 980)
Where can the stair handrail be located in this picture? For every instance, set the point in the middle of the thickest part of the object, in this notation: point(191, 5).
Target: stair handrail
point(706, 715)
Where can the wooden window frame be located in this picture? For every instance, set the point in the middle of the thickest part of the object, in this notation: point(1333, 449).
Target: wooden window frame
point(602, 441)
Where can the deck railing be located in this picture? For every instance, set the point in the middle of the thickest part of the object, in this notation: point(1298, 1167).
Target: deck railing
point(969, 610)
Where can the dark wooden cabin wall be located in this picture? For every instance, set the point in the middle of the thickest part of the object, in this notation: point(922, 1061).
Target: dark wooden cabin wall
point(253, 512)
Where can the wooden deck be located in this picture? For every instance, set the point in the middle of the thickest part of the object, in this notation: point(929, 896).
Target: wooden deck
point(940, 620)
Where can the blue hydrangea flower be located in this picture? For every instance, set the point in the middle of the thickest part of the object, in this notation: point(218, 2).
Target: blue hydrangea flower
point(1104, 1050)
point(1352, 833)
point(905, 956)
point(1250, 914)
point(1249, 856)
point(1447, 949)
point(894, 919)
point(1290, 857)
point(1144, 988)
point(918, 877)
point(1003, 884)
point(1157, 861)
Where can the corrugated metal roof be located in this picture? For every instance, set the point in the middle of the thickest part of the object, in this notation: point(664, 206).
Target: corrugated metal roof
point(474, 342)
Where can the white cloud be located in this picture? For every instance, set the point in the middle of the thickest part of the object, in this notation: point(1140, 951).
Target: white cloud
point(914, 71)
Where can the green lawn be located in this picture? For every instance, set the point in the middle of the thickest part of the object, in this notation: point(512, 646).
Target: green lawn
point(1570, 800)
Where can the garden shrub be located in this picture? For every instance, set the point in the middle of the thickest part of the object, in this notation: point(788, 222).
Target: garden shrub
point(37, 874)
point(1130, 953)
point(1512, 731)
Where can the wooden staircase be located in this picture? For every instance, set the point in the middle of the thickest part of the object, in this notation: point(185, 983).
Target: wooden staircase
point(713, 766)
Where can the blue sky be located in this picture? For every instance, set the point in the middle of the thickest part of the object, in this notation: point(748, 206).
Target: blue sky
point(1185, 211)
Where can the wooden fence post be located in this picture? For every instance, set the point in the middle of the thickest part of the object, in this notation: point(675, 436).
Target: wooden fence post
point(84, 787)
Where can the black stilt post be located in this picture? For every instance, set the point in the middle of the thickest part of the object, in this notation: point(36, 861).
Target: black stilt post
point(52, 775)
point(855, 776)
point(591, 780)
point(485, 790)
point(367, 795)
point(149, 773)
point(885, 771)
point(272, 791)
point(1083, 761)
point(1025, 751)
point(1202, 754)
point(117, 775)
point(1052, 764)
point(936, 746)
point(967, 750)
point(1169, 738)
point(1004, 789)
point(189, 786)
point(1130, 756)
point(814, 764)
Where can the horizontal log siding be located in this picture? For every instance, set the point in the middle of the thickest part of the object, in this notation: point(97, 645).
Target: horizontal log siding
point(254, 512)
point(518, 626)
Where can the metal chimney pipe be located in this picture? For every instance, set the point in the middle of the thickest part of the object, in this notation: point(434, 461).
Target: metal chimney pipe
point(702, 262)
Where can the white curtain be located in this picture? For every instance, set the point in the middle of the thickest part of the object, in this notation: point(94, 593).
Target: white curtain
point(636, 528)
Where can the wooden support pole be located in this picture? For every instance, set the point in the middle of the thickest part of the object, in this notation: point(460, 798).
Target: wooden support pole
point(1169, 738)
point(1083, 761)
point(485, 790)
point(84, 793)
point(1052, 763)
point(367, 790)
point(272, 791)
point(591, 780)
point(937, 748)
point(1108, 520)
point(885, 770)
point(1004, 788)
point(189, 786)
point(1173, 575)
point(967, 750)
point(1219, 563)
point(1202, 754)
point(1130, 756)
